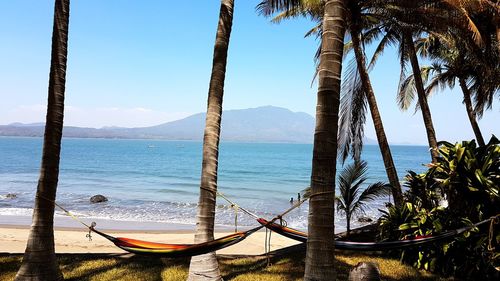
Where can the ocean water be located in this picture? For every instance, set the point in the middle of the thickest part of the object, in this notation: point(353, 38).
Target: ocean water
point(158, 181)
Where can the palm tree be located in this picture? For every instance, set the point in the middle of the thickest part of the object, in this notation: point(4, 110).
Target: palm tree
point(449, 65)
point(356, 88)
point(408, 19)
point(320, 263)
point(320, 247)
point(39, 260)
point(401, 21)
point(352, 200)
point(206, 267)
point(407, 41)
point(356, 24)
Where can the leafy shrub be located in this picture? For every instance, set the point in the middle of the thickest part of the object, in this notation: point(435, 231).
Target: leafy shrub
point(468, 177)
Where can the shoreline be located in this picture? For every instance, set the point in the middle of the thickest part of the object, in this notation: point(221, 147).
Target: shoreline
point(67, 223)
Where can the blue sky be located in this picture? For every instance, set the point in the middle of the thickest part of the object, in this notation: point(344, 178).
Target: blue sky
point(140, 63)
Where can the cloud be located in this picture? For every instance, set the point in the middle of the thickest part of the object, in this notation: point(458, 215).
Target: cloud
point(94, 117)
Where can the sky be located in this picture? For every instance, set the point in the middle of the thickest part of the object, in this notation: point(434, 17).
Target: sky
point(144, 62)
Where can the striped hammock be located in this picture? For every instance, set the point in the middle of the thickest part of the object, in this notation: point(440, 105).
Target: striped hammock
point(175, 250)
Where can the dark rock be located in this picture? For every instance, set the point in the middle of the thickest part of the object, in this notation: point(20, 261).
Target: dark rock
point(365, 219)
point(98, 199)
point(365, 271)
point(10, 196)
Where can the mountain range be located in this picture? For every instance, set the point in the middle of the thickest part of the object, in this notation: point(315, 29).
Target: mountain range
point(261, 124)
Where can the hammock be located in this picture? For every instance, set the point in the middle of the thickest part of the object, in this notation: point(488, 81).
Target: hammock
point(175, 250)
point(368, 246)
point(160, 249)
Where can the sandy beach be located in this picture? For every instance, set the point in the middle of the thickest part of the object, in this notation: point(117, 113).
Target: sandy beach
point(72, 239)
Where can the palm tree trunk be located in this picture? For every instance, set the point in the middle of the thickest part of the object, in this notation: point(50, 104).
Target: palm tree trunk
point(39, 260)
point(470, 112)
point(390, 169)
point(422, 98)
point(206, 267)
point(320, 245)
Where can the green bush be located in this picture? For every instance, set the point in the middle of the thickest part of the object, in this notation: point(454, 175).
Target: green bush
point(468, 178)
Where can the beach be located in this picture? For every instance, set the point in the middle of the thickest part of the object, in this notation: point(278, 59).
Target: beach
point(153, 192)
point(72, 238)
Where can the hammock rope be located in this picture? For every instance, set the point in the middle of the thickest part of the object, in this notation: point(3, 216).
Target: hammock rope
point(220, 194)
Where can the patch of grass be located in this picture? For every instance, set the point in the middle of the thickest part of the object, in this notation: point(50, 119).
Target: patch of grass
point(283, 268)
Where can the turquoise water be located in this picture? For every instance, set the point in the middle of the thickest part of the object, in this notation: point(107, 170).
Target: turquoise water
point(158, 181)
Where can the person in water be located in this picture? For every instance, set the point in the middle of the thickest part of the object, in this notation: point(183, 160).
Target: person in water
point(291, 200)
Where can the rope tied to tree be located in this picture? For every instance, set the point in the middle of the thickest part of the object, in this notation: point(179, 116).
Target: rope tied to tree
point(90, 227)
point(64, 210)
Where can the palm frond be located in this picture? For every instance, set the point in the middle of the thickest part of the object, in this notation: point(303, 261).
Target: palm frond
point(353, 107)
point(406, 92)
point(269, 7)
point(384, 42)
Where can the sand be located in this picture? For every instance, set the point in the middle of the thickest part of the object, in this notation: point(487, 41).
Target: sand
point(71, 240)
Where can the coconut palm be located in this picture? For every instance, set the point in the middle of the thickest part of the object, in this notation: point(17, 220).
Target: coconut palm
point(320, 246)
point(39, 260)
point(449, 66)
point(206, 267)
point(406, 20)
point(320, 255)
point(468, 53)
point(357, 90)
point(352, 199)
point(401, 21)
point(358, 21)
point(408, 44)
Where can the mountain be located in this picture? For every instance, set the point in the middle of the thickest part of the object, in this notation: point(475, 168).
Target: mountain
point(261, 124)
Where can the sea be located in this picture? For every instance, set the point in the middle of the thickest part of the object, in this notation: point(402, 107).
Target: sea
point(158, 181)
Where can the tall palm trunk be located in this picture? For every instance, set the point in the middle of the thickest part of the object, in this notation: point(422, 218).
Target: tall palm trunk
point(39, 261)
point(422, 98)
point(320, 245)
point(206, 267)
point(390, 169)
point(470, 112)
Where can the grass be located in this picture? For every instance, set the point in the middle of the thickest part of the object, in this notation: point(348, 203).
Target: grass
point(283, 268)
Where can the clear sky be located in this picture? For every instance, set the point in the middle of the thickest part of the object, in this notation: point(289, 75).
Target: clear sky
point(145, 62)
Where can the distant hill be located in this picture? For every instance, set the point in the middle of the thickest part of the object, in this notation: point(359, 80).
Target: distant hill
point(261, 124)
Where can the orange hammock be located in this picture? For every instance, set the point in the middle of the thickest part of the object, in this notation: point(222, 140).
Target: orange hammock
point(160, 249)
point(175, 250)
